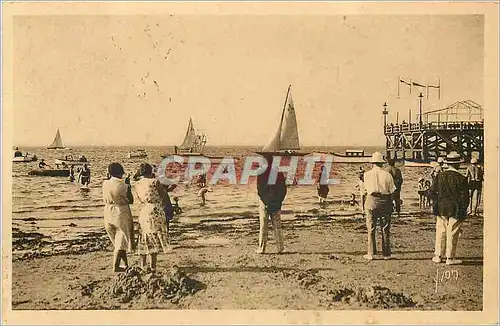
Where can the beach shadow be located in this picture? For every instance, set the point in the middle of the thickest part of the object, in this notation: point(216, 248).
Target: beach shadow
point(471, 262)
point(248, 269)
point(349, 253)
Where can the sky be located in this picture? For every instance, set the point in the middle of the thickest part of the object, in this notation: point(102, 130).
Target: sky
point(136, 80)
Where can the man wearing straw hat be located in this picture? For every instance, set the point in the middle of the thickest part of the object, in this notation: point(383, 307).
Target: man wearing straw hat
point(475, 177)
point(379, 186)
point(452, 200)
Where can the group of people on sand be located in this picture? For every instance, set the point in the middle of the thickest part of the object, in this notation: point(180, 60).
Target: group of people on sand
point(154, 217)
point(380, 188)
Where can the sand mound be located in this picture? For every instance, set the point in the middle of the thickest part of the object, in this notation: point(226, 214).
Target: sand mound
point(305, 278)
point(135, 283)
point(372, 297)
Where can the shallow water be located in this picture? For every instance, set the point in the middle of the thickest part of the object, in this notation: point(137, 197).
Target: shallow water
point(60, 210)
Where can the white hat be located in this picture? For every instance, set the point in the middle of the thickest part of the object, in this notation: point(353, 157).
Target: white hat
point(453, 157)
point(377, 158)
point(440, 160)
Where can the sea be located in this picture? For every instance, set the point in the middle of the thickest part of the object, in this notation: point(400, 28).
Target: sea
point(60, 211)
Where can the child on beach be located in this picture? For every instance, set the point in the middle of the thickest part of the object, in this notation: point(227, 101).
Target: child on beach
point(421, 192)
point(177, 208)
point(427, 194)
point(353, 200)
point(362, 191)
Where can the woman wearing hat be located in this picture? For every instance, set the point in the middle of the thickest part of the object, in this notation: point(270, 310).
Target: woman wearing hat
point(452, 200)
point(475, 177)
point(379, 186)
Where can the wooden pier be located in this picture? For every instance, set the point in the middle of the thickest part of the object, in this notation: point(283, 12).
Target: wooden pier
point(458, 127)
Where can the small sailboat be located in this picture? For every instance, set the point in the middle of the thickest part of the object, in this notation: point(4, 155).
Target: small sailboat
point(57, 142)
point(192, 145)
point(286, 139)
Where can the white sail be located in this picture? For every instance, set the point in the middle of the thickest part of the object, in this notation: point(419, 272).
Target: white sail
point(57, 143)
point(287, 135)
point(190, 137)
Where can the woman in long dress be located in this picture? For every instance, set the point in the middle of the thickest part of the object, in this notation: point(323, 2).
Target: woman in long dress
point(117, 196)
point(153, 236)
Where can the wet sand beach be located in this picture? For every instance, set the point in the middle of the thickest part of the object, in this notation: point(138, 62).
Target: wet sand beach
point(322, 268)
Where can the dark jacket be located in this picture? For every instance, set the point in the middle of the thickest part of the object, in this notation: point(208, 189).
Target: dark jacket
point(396, 176)
point(451, 194)
point(272, 195)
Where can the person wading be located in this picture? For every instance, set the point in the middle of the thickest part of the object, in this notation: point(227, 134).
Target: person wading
point(118, 221)
point(452, 196)
point(379, 187)
point(398, 182)
point(271, 198)
point(475, 177)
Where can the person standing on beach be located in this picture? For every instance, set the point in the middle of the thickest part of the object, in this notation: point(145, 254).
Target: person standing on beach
point(271, 198)
point(153, 237)
point(397, 176)
point(118, 221)
point(437, 169)
point(323, 189)
point(379, 186)
point(475, 177)
point(452, 200)
point(362, 191)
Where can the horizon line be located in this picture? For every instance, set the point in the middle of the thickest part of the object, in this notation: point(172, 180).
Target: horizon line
point(168, 146)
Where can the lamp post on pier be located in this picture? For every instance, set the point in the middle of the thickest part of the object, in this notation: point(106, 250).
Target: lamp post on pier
point(385, 112)
point(420, 110)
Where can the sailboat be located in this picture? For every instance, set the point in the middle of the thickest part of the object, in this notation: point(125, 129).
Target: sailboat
point(193, 143)
point(286, 139)
point(57, 143)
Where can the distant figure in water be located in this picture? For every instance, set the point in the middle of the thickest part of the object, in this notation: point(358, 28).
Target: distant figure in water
point(271, 198)
point(202, 194)
point(17, 152)
point(72, 173)
point(42, 164)
point(323, 189)
point(117, 196)
point(85, 175)
point(353, 201)
point(153, 237)
point(202, 180)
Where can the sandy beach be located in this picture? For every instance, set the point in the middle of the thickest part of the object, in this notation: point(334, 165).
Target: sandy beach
point(322, 268)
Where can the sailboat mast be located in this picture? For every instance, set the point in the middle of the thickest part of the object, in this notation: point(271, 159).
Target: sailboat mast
point(284, 105)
